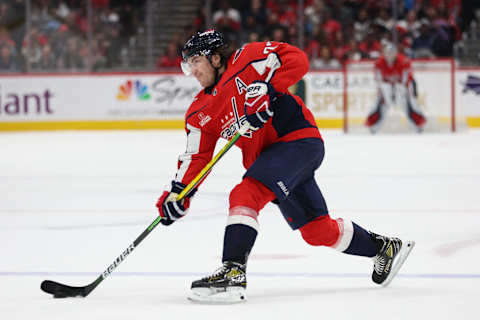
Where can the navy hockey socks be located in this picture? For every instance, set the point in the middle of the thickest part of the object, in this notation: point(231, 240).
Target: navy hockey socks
point(238, 242)
point(362, 243)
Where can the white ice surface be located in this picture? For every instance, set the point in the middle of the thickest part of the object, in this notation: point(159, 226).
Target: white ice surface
point(71, 202)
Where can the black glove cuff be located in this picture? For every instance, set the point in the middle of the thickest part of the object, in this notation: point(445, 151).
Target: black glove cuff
point(178, 187)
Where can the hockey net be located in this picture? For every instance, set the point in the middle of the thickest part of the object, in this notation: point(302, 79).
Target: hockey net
point(435, 87)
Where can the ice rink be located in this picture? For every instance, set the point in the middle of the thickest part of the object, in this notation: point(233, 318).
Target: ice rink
point(71, 202)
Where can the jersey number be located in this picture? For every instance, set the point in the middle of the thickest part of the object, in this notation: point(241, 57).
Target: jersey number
point(268, 48)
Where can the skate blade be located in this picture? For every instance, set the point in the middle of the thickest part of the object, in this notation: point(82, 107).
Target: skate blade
point(214, 296)
point(397, 264)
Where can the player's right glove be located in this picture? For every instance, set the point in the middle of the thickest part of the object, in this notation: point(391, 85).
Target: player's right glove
point(169, 208)
point(258, 103)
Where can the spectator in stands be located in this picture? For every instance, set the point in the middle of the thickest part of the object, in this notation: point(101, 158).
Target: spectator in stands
point(227, 20)
point(200, 20)
point(71, 59)
point(62, 10)
point(7, 60)
point(344, 11)
point(354, 52)
point(128, 22)
point(286, 13)
point(314, 43)
point(99, 60)
point(14, 20)
point(384, 20)
point(475, 25)
point(257, 12)
point(313, 14)
point(279, 35)
point(170, 59)
point(32, 49)
point(177, 40)
point(404, 47)
point(250, 26)
point(292, 35)
point(370, 46)
point(227, 17)
point(422, 44)
point(47, 61)
point(272, 24)
point(330, 25)
point(340, 46)
point(6, 39)
point(362, 25)
point(113, 46)
point(411, 24)
point(326, 60)
point(4, 10)
point(253, 37)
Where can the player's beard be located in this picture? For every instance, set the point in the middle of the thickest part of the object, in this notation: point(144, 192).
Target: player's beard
point(205, 80)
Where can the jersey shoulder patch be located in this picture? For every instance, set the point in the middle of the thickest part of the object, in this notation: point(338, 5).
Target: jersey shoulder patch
point(199, 103)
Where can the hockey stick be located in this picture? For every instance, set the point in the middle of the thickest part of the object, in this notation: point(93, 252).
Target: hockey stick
point(63, 291)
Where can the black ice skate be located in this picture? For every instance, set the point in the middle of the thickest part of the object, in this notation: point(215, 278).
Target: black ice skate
point(390, 257)
point(227, 284)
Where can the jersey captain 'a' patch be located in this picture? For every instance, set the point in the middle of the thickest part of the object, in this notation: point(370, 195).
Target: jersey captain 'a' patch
point(241, 86)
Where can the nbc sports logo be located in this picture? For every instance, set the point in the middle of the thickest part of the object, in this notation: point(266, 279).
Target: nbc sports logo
point(125, 90)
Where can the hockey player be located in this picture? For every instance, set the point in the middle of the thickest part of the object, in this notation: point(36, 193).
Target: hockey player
point(281, 153)
point(396, 86)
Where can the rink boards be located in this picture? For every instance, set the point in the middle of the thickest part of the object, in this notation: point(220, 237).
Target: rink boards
point(159, 100)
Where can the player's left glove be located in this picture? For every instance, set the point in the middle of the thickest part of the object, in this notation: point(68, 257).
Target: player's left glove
point(169, 208)
point(258, 103)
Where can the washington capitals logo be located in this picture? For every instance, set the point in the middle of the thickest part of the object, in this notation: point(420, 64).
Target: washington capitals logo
point(473, 84)
point(233, 122)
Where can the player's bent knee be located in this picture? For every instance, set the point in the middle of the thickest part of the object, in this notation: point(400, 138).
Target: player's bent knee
point(250, 193)
point(323, 231)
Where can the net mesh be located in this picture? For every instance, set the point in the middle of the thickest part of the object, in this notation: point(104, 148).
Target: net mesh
point(435, 92)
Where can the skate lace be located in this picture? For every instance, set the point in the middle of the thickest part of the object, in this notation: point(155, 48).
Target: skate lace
point(379, 264)
point(217, 273)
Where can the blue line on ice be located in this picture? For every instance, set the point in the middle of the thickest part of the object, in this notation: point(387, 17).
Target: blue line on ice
point(251, 274)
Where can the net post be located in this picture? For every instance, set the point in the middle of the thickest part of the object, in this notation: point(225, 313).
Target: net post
point(345, 97)
point(452, 88)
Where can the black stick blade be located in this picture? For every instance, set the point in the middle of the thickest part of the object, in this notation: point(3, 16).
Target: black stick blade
point(62, 291)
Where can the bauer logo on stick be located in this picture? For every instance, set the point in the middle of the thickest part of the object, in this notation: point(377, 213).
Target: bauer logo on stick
point(119, 260)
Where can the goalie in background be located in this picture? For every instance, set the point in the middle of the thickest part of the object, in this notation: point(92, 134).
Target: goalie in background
point(396, 86)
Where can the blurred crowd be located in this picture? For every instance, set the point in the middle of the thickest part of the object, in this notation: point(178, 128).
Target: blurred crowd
point(332, 31)
point(56, 35)
point(337, 30)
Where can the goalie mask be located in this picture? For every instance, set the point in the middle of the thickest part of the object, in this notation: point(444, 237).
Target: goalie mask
point(390, 53)
point(201, 44)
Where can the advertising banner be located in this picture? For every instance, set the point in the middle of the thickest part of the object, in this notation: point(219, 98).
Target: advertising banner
point(91, 97)
point(468, 91)
point(111, 99)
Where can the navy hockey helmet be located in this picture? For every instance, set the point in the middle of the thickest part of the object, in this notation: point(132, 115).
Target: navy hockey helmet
point(201, 44)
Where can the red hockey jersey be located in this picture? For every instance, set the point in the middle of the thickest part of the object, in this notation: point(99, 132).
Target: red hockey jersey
point(399, 72)
point(218, 111)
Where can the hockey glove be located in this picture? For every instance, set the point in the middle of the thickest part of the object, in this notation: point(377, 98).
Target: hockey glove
point(169, 208)
point(258, 103)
